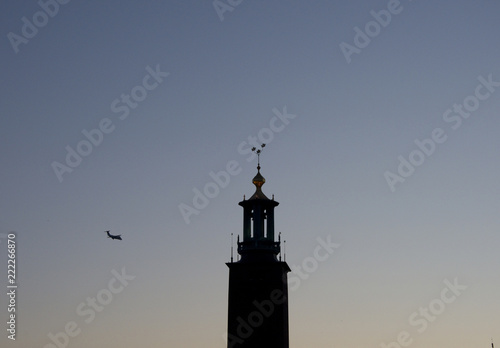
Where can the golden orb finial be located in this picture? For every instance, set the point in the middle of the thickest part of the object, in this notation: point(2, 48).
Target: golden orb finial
point(258, 180)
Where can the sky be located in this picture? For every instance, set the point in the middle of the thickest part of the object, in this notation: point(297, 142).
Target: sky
point(381, 126)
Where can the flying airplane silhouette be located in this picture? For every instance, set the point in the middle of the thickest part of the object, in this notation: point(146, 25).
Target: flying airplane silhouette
point(119, 236)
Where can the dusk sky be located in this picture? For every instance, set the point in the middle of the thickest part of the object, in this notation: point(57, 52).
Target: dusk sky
point(382, 123)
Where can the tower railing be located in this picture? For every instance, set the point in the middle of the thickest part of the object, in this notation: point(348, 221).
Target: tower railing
point(259, 245)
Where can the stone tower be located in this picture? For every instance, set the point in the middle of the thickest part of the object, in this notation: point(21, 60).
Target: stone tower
point(258, 292)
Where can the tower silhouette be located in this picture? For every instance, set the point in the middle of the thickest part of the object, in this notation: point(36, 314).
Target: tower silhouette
point(258, 292)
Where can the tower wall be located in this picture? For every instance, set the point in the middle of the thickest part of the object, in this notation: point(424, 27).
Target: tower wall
point(258, 305)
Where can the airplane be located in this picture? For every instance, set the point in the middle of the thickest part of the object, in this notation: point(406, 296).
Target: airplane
point(119, 236)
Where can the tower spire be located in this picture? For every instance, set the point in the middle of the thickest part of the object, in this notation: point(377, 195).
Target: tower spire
point(258, 221)
point(231, 247)
point(258, 274)
point(258, 180)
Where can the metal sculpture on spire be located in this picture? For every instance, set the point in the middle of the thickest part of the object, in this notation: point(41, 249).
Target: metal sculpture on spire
point(258, 151)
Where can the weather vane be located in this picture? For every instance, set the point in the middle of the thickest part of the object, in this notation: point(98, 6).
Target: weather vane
point(254, 149)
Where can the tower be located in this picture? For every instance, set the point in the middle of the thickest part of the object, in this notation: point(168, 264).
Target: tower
point(258, 292)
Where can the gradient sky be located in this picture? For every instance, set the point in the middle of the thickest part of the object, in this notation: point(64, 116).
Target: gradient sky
point(326, 167)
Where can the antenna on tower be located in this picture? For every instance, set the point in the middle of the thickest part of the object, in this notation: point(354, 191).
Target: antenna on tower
point(279, 242)
point(254, 149)
point(284, 250)
point(492, 346)
point(231, 248)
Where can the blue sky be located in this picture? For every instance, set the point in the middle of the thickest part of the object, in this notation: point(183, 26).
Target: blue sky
point(191, 88)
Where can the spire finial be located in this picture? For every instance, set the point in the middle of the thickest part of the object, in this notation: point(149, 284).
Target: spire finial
point(254, 149)
point(258, 180)
point(279, 242)
point(231, 248)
